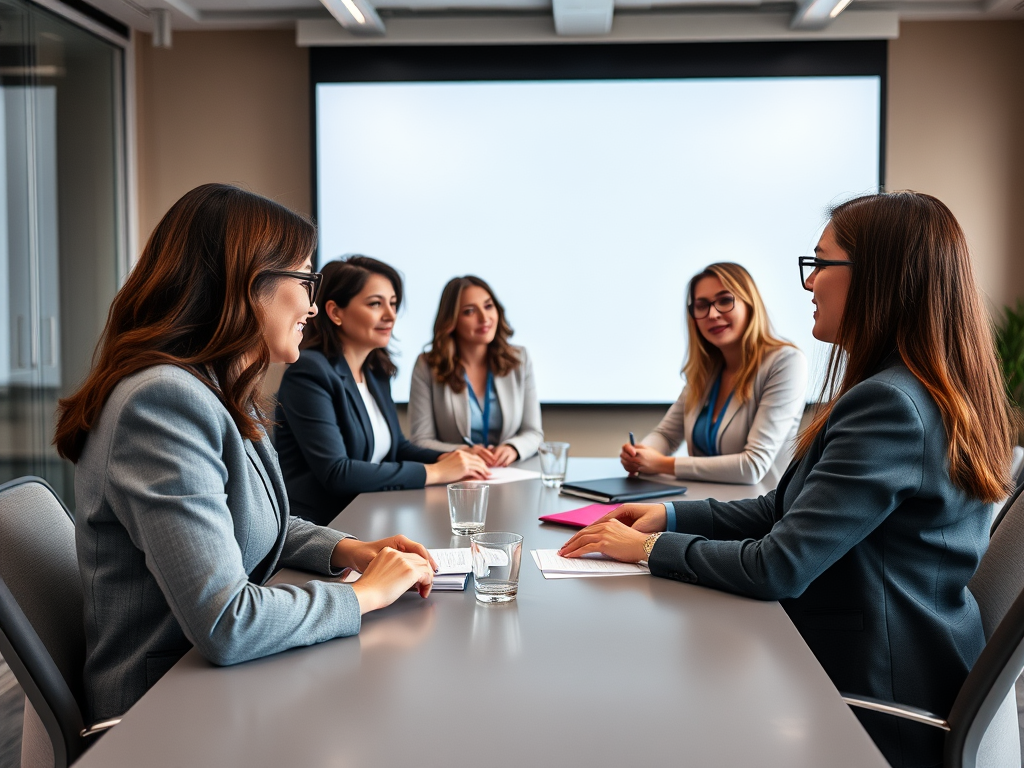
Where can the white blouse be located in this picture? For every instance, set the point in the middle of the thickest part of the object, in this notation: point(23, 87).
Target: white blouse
point(381, 431)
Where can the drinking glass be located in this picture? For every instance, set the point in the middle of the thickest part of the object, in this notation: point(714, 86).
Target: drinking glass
point(467, 504)
point(553, 460)
point(496, 558)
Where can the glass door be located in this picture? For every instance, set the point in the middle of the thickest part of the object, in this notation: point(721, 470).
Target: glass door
point(61, 223)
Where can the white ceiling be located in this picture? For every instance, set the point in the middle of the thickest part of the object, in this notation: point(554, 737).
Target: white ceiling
point(445, 21)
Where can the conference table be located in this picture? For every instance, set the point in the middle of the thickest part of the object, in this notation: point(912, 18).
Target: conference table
point(576, 672)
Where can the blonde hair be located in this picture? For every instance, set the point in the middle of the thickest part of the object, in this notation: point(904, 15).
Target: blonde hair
point(704, 360)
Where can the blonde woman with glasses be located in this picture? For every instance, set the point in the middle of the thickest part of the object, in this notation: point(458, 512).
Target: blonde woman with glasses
point(740, 409)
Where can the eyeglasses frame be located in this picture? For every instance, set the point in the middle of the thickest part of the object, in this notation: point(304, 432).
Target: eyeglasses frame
point(307, 278)
point(814, 261)
point(692, 308)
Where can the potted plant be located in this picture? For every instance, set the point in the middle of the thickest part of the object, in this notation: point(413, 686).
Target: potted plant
point(1010, 348)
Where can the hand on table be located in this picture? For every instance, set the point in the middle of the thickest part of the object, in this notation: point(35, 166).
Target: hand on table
point(504, 455)
point(390, 575)
point(637, 459)
point(454, 466)
point(619, 534)
point(610, 538)
point(484, 452)
point(353, 553)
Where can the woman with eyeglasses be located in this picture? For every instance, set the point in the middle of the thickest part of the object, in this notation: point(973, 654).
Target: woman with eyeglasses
point(877, 526)
point(744, 393)
point(182, 514)
point(337, 427)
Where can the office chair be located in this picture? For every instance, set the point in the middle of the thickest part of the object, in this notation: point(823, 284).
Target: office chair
point(1017, 473)
point(985, 704)
point(42, 635)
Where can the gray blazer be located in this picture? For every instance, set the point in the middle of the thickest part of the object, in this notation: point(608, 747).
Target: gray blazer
point(439, 418)
point(756, 438)
point(180, 522)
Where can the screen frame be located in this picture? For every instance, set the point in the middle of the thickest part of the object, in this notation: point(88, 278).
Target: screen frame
point(601, 61)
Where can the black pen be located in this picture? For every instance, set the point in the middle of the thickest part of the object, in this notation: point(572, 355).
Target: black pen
point(632, 440)
point(467, 441)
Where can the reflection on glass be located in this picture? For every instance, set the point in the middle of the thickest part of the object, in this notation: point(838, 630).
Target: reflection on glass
point(495, 630)
point(62, 236)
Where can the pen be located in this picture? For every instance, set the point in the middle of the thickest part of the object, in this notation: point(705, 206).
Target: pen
point(632, 440)
point(467, 441)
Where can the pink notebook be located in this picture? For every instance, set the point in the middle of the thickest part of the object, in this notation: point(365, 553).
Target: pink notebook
point(582, 517)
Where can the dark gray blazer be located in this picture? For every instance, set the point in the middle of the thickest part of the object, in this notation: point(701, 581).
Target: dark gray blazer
point(325, 438)
point(180, 522)
point(869, 546)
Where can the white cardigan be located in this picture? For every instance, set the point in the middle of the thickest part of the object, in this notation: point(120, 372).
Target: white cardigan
point(439, 418)
point(756, 438)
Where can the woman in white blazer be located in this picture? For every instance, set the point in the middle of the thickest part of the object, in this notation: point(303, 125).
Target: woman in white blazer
point(745, 390)
point(473, 390)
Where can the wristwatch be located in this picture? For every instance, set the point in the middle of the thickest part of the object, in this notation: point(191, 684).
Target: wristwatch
point(649, 543)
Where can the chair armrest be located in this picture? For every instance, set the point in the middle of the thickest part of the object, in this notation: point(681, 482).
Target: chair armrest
point(905, 711)
point(97, 728)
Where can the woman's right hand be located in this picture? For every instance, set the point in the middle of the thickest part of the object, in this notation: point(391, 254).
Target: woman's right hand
point(389, 576)
point(455, 466)
point(646, 518)
point(637, 459)
point(482, 451)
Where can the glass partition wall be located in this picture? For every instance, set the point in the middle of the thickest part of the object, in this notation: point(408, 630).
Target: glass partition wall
point(62, 227)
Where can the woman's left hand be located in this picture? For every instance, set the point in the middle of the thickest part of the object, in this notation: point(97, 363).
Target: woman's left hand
point(352, 553)
point(610, 538)
point(504, 455)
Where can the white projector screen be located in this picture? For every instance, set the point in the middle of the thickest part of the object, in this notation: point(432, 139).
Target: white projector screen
point(589, 204)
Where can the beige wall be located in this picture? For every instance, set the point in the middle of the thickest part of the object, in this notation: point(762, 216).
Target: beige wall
point(234, 106)
point(222, 106)
point(955, 130)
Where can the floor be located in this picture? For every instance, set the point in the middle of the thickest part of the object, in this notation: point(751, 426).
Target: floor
point(11, 705)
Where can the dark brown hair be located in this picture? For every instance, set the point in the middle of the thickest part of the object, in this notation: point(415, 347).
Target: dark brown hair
point(193, 300)
point(443, 357)
point(343, 280)
point(704, 359)
point(912, 293)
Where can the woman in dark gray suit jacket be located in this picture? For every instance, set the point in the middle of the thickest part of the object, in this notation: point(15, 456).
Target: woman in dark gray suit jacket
point(182, 515)
point(877, 526)
point(338, 433)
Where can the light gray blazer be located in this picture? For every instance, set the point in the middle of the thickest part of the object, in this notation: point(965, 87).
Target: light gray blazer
point(756, 437)
point(439, 417)
point(180, 522)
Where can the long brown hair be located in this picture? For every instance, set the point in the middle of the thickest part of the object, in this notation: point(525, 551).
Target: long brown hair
point(343, 280)
point(912, 293)
point(704, 359)
point(443, 357)
point(193, 300)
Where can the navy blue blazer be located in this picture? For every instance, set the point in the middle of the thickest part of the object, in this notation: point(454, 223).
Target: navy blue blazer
point(324, 438)
point(869, 547)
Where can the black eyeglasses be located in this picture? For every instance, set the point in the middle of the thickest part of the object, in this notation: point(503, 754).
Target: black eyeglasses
point(812, 263)
point(701, 308)
point(311, 280)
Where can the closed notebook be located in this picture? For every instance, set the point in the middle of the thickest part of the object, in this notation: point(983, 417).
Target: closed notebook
point(620, 490)
point(582, 517)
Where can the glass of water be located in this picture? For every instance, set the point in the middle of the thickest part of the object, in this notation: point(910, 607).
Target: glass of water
point(496, 558)
point(467, 503)
point(554, 457)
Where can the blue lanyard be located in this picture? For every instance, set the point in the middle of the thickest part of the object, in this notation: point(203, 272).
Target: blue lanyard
point(711, 429)
point(487, 403)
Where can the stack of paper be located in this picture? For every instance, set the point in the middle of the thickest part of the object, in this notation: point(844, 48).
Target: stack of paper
point(453, 569)
point(588, 566)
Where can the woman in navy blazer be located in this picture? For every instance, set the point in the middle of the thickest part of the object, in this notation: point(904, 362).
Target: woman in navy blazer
point(876, 528)
point(338, 433)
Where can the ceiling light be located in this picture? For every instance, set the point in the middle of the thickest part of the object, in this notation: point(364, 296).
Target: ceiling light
point(357, 16)
point(816, 14)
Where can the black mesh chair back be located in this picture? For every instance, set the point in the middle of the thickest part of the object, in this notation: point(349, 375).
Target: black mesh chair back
point(42, 636)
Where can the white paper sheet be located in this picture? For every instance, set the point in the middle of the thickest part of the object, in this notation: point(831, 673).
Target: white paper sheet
point(501, 475)
point(550, 563)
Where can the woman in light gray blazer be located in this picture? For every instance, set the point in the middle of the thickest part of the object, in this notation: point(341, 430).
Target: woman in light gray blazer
point(182, 514)
point(473, 390)
point(745, 390)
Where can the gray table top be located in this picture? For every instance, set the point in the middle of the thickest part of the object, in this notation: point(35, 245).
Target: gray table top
point(587, 672)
